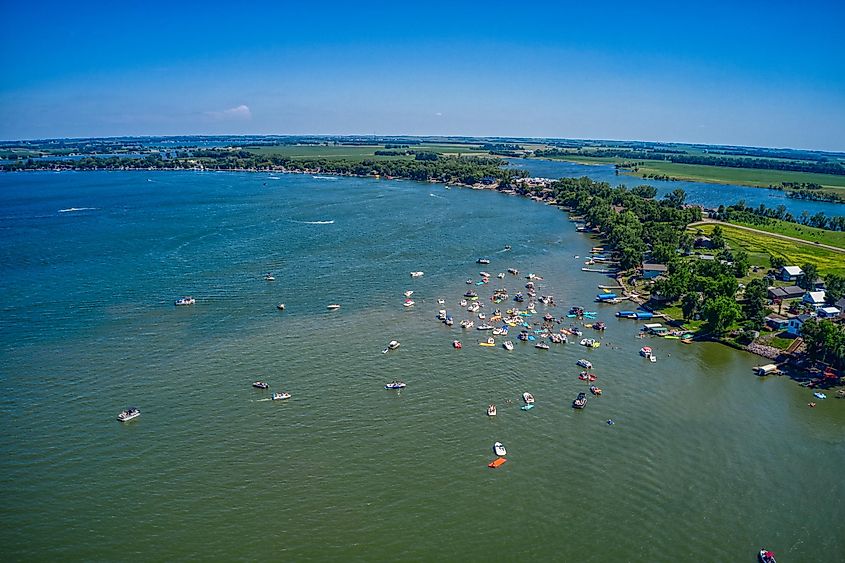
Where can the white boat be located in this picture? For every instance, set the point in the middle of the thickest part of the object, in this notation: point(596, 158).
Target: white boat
point(467, 324)
point(280, 306)
point(261, 385)
point(129, 414)
point(652, 358)
point(185, 301)
point(542, 346)
point(409, 293)
point(416, 274)
point(500, 275)
point(584, 363)
point(269, 277)
point(491, 410)
point(499, 448)
point(441, 301)
point(280, 396)
point(508, 345)
point(395, 385)
point(528, 398)
point(482, 261)
point(463, 303)
point(408, 303)
point(482, 316)
point(484, 327)
point(333, 307)
point(484, 274)
point(393, 345)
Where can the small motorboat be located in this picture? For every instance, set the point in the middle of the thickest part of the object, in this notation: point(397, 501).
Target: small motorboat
point(457, 344)
point(280, 306)
point(595, 390)
point(580, 401)
point(441, 301)
point(395, 385)
point(766, 556)
point(470, 294)
point(482, 261)
point(819, 395)
point(269, 277)
point(409, 293)
point(481, 316)
point(489, 343)
point(491, 410)
point(645, 351)
point(584, 363)
point(185, 301)
point(484, 327)
point(542, 345)
point(652, 358)
point(583, 376)
point(280, 396)
point(463, 303)
point(416, 274)
point(129, 414)
point(408, 303)
point(600, 325)
point(260, 385)
point(484, 274)
point(499, 448)
point(469, 282)
point(507, 247)
point(513, 271)
point(448, 321)
point(500, 275)
point(333, 307)
point(467, 324)
point(393, 345)
point(508, 345)
point(528, 398)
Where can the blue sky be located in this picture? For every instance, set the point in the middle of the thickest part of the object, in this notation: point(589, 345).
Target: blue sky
point(748, 73)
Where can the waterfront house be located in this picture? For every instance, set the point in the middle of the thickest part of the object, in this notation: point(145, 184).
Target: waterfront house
point(651, 271)
point(786, 292)
point(829, 312)
point(777, 322)
point(814, 298)
point(790, 273)
point(794, 327)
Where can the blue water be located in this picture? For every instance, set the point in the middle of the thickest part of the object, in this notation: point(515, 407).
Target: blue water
point(708, 195)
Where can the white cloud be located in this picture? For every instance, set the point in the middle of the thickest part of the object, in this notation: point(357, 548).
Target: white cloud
point(240, 112)
point(439, 113)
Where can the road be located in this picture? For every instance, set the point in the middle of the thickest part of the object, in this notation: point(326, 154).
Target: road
point(767, 233)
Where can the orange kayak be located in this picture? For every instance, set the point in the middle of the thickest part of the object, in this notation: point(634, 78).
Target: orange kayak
point(496, 462)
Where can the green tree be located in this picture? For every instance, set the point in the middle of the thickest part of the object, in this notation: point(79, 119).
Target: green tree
point(630, 258)
point(754, 305)
point(809, 277)
point(720, 313)
point(777, 262)
point(740, 263)
point(717, 237)
point(690, 305)
point(825, 341)
point(644, 191)
point(834, 287)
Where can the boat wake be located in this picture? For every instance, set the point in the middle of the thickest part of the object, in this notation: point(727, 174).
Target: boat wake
point(438, 196)
point(273, 178)
point(316, 222)
point(74, 209)
point(262, 400)
point(325, 177)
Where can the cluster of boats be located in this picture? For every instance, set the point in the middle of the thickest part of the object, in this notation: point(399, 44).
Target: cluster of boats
point(275, 396)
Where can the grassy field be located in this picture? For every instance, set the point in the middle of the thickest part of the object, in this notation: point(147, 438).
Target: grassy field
point(743, 176)
point(760, 246)
point(360, 151)
point(810, 234)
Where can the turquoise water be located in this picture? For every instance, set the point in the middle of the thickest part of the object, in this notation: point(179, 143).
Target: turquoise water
point(705, 462)
point(708, 195)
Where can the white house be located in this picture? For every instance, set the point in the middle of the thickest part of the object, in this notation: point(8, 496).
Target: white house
point(794, 327)
point(814, 298)
point(828, 312)
point(791, 273)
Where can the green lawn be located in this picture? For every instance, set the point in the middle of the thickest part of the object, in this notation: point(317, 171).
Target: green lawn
point(743, 176)
point(811, 234)
point(760, 246)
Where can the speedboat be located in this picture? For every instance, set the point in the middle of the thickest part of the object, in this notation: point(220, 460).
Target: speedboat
point(448, 321)
point(499, 448)
point(269, 277)
point(470, 294)
point(652, 358)
point(491, 410)
point(507, 247)
point(500, 275)
point(484, 327)
point(393, 345)
point(580, 402)
point(409, 293)
point(600, 325)
point(584, 363)
point(467, 324)
point(489, 343)
point(542, 346)
point(129, 414)
point(395, 385)
point(457, 344)
point(508, 345)
point(469, 282)
point(819, 395)
point(481, 316)
point(333, 307)
point(280, 396)
point(408, 303)
point(416, 274)
point(595, 390)
point(766, 556)
point(528, 398)
point(463, 303)
point(513, 271)
point(280, 306)
point(645, 351)
point(482, 261)
point(260, 385)
point(185, 301)
point(441, 301)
